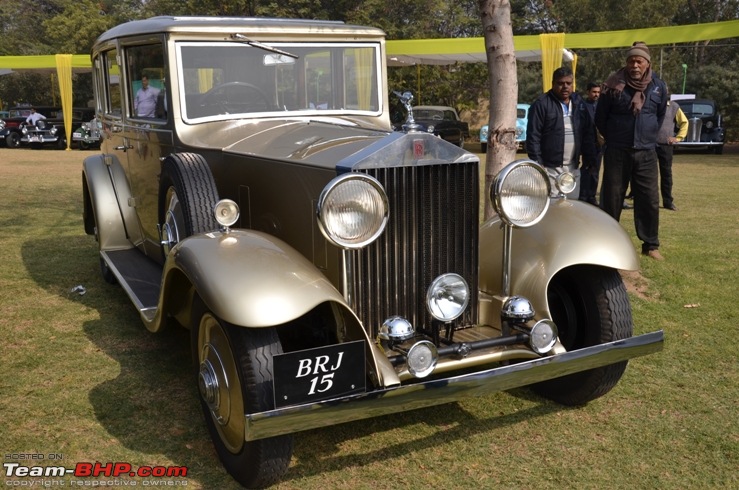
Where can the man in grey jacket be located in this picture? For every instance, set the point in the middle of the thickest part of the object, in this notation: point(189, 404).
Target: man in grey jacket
point(630, 111)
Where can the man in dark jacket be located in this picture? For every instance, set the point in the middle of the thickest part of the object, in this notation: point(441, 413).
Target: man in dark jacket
point(630, 111)
point(557, 133)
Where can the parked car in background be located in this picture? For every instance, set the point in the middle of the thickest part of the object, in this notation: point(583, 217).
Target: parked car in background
point(442, 121)
point(51, 132)
point(705, 131)
point(88, 135)
point(10, 127)
point(522, 118)
point(330, 269)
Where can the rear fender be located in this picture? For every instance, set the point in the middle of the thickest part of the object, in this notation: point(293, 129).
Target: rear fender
point(572, 233)
point(252, 279)
point(105, 203)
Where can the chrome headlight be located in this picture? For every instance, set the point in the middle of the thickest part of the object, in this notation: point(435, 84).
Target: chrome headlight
point(430, 128)
point(709, 124)
point(53, 130)
point(226, 212)
point(24, 130)
point(422, 359)
point(520, 193)
point(565, 182)
point(352, 210)
point(447, 297)
point(2, 124)
point(543, 336)
point(396, 328)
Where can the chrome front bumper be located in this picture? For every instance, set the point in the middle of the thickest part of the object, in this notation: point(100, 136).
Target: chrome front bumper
point(436, 392)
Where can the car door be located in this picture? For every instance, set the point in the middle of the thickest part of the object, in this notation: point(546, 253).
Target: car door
point(147, 132)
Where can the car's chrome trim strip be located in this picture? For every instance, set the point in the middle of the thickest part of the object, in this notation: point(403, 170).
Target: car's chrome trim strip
point(435, 392)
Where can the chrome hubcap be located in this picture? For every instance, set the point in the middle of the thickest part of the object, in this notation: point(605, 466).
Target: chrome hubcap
point(218, 382)
point(208, 384)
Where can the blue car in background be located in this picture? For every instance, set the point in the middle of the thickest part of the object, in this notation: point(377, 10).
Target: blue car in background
point(522, 117)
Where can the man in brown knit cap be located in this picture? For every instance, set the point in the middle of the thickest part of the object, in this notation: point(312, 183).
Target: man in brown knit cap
point(630, 111)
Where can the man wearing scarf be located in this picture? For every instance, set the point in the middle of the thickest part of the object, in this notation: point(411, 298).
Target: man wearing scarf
point(630, 112)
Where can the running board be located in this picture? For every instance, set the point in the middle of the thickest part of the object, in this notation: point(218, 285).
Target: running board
point(139, 276)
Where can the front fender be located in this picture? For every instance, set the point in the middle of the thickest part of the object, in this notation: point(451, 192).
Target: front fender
point(250, 278)
point(572, 233)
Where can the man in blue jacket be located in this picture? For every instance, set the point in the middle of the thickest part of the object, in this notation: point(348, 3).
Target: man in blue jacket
point(630, 111)
point(558, 132)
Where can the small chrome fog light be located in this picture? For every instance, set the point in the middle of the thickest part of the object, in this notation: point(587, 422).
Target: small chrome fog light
point(565, 182)
point(517, 308)
point(227, 212)
point(543, 336)
point(447, 297)
point(396, 328)
point(422, 358)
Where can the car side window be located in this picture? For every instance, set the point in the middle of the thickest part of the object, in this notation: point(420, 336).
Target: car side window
point(110, 83)
point(147, 94)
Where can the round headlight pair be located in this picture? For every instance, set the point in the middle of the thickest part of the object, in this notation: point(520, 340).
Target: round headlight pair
point(520, 193)
point(352, 210)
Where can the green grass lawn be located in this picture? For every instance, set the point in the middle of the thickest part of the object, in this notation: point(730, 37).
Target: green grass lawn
point(82, 378)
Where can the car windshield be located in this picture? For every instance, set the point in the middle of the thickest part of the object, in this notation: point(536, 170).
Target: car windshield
point(224, 80)
point(428, 114)
point(697, 109)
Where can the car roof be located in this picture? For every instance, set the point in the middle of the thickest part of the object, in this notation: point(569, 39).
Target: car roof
point(433, 107)
point(241, 25)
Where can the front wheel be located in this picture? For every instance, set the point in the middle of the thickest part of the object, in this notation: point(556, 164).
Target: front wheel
point(590, 306)
point(12, 140)
point(234, 376)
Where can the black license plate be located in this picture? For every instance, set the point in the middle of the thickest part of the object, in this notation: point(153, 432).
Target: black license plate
point(319, 374)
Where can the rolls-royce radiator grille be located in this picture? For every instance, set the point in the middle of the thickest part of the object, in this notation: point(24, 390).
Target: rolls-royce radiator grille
point(432, 229)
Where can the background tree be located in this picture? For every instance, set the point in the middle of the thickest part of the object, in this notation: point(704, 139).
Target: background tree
point(496, 23)
point(55, 26)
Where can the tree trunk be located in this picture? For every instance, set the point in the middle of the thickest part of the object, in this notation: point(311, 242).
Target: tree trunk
point(496, 24)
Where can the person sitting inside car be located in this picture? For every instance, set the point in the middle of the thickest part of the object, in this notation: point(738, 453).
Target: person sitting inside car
point(34, 117)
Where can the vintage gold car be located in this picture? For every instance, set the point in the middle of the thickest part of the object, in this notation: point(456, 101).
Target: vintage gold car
point(250, 188)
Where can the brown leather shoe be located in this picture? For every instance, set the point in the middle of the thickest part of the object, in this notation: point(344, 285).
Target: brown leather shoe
point(654, 254)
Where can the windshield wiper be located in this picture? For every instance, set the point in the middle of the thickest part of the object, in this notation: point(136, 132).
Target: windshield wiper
point(259, 45)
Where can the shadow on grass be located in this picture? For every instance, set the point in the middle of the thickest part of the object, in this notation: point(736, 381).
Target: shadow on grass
point(150, 405)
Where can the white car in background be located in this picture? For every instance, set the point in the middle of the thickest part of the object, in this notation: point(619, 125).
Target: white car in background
point(522, 117)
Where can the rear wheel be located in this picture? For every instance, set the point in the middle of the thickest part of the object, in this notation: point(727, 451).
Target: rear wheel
point(590, 306)
point(234, 376)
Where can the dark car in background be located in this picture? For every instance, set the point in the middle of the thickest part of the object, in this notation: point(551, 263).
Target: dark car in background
point(10, 127)
point(51, 131)
point(705, 131)
point(442, 121)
